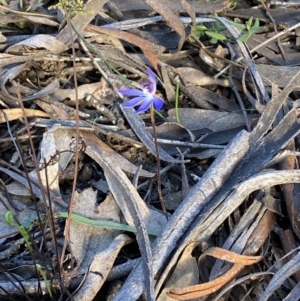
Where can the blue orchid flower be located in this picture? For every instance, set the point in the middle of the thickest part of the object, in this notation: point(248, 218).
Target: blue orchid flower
point(145, 97)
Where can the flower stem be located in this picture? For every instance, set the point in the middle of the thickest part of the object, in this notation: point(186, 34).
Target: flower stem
point(158, 162)
point(176, 102)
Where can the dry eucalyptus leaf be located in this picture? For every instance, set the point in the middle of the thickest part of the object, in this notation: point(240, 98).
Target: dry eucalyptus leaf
point(171, 19)
point(11, 73)
point(199, 78)
point(13, 114)
point(205, 289)
point(39, 41)
point(122, 189)
point(186, 273)
point(291, 267)
point(70, 94)
point(86, 240)
point(140, 215)
point(101, 152)
point(195, 119)
point(58, 139)
point(15, 188)
point(99, 269)
point(136, 124)
point(53, 141)
point(41, 20)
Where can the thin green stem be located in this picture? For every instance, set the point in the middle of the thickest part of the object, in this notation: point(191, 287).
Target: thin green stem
point(160, 115)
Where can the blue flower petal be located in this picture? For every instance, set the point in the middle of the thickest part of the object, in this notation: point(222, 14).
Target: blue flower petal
point(147, 102)
point(131, 92)
point(152, 79)
point(158, 103)
point(146, 97)
point(133, 102)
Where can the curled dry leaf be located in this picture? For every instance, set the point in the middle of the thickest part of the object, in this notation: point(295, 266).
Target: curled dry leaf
point(40, 41)
point(13, 114)
point(128, 37)
point(205, 289)
point(150, 49)
point(255, 241)
point(170, 17)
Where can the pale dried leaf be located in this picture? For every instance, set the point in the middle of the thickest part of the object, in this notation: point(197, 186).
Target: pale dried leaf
point(100, 268)
point(86, 240)
point(2, 38)
point(82, 90)
point(122, 189)
point(136, 124)
point(13, 114)
point(186, 273)
point(100, 152)
point(196, 77)
point(15, 188)
point(41, 20)
point(190, 10)
point(195, 119)
point(53, 141)
point(40, 41)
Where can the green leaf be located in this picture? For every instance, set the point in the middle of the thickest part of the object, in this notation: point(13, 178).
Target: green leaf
point(256, 23)
point(256, 27)
point(9, 218)
point(237, 25)
point(232, 4)
point(216, 35)
point(249, 23)
point(200, 27)
point(245, 37)
point(213, 41)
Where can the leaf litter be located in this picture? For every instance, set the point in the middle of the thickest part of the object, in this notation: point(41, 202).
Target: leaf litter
point(79, 170)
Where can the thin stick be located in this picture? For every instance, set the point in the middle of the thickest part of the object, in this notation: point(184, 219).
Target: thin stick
point(68, 221)
point(160, 196)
